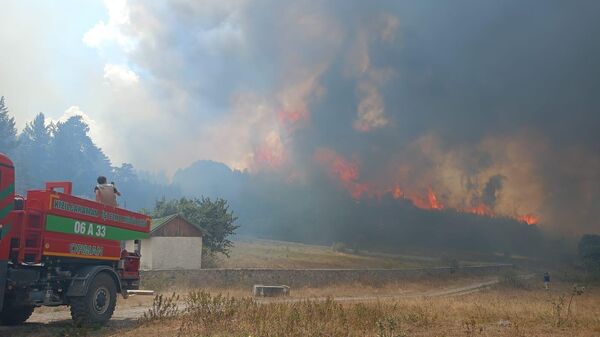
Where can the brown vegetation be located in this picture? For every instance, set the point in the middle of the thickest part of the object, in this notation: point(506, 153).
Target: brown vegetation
point(503, 311)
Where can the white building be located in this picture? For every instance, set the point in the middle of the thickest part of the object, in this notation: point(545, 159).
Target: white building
point(174, 243)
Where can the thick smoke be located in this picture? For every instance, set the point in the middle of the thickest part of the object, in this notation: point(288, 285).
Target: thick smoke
point(491, 190)
point(484, 107)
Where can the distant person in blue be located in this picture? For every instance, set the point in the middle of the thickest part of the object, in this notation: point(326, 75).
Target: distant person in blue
point(546, 280)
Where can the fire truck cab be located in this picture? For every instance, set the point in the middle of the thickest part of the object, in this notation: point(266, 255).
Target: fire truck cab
point(59, 249)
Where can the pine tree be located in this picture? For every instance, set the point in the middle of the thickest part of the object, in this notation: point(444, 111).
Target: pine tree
point(34, 157)
point(8, 131)
point(76, 158)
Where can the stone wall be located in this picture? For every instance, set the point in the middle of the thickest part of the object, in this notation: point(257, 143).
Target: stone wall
point(301, 277)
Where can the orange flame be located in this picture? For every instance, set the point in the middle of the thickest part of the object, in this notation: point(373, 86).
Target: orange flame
point(346, 171)
point(529, 219)
point(433, 200)
point(480, 209)
point(290, 117)
point(293, 119)
point(271, 153)
point(429, 202)
point(397, 192)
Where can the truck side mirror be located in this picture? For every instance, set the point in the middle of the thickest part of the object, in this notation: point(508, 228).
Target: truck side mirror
point(19, 203)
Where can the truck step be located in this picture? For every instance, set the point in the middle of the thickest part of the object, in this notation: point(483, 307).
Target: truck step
point(140, 292)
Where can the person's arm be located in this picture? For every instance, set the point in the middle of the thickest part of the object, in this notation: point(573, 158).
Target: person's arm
point(117, 191)
point(97, 191)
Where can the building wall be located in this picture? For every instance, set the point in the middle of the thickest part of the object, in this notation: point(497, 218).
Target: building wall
point(177, 253)
point(146, 260)
point(176, 245)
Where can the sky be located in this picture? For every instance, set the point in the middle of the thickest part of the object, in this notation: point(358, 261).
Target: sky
point(488, 104)
point(45, 65)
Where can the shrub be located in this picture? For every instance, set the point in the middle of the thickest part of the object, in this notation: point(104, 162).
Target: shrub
point(163, 307)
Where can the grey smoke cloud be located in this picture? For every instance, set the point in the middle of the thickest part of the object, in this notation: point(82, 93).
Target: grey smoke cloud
point(499, 97)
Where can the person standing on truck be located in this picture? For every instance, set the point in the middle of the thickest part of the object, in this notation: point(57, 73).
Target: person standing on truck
point(106, 193)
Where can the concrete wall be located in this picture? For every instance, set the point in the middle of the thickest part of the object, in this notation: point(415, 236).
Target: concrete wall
point(302, 277)
point(176, 253)
point(146, 260)
point(170, 253)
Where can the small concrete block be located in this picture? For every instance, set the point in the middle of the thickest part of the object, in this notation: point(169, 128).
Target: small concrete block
point(260, 290)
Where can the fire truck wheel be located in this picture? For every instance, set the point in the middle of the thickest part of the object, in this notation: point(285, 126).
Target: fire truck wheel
point(97, 306)
point(13, 315)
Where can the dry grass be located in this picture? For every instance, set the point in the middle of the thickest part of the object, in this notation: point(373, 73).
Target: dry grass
point(417, 285)
point(497, 312)
point(258, 253)
point(508, 309)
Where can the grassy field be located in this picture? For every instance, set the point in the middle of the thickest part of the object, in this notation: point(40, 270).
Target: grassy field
point(258, 253)
point(501, 311)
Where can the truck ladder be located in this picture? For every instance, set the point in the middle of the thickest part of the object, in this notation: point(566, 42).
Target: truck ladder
point(30, 240)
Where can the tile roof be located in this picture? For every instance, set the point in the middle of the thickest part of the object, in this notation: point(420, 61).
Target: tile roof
point(159, 222)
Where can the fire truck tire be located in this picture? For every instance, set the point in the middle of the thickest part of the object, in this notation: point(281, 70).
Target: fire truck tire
point(98, 304)
point(13, 315)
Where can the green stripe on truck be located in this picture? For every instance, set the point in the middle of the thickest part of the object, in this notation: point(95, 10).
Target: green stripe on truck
point(7, 191)
point(4, 212)
point(64, 225)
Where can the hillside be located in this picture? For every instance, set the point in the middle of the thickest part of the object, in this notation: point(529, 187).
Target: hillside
point(259, 253)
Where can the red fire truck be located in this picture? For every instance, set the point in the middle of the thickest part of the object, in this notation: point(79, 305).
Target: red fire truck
point(59, 249)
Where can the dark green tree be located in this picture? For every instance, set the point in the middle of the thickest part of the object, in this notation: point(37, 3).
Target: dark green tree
point(213, 216)
point(136, 192)
point(34, 153)
point(75, 157)
point(8, 131)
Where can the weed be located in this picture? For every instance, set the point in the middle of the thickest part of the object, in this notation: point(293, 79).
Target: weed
point(558, 305)
point(163, 307)
point(471, 326)
point(389, 327)
point(421, 316)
